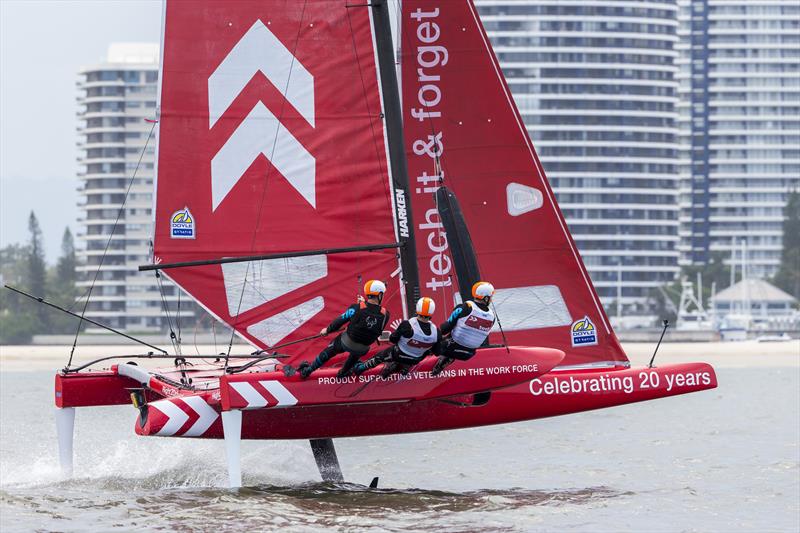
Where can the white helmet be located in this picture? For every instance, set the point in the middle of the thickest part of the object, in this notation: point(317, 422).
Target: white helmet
point(374, 287)
point(482, 290)
point(426, 307)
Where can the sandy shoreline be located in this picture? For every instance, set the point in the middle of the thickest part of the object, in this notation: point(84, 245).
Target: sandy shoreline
point(719, 354)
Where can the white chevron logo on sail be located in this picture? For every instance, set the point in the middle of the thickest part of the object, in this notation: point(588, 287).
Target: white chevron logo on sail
point(261, 131)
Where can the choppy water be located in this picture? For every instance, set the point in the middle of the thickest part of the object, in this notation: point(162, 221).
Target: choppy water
point(721, 460)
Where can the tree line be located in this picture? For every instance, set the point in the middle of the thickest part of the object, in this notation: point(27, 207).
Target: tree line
point(24, 266)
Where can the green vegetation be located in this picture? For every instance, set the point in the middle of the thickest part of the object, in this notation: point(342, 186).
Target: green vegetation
point(24, 266)
point(788, 276)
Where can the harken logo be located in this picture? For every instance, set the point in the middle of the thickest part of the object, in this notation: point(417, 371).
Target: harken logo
point(402, 214)
point(181, 225)
point(583, 332)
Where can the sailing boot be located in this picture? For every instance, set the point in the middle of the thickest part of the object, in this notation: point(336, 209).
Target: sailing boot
point(389, 368)
point(440, 365)
point(372, 362)
point(349, 364)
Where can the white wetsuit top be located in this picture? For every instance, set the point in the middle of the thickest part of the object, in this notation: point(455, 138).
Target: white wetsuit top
point(419, 343)
point(470, 331)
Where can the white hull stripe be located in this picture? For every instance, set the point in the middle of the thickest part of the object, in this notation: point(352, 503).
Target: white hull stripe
point(250, 394)
point(257, 400)
point(207, 416)
point(280, 393)
point(176, 418)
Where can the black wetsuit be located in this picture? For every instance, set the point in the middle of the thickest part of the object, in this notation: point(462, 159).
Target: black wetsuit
point(365, 323)
point(396, 360)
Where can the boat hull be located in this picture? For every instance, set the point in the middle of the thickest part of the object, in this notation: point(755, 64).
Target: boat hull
point(553, 394)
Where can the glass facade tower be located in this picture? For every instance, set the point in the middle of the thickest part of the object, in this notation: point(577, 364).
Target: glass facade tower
point(596, 84)
point(740, 127)
point(114, 100)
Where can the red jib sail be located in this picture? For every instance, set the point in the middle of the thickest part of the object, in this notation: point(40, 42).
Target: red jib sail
point(457, 105)
point(271, 140)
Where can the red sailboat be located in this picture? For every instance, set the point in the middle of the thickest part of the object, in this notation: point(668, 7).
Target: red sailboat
point(297, 154)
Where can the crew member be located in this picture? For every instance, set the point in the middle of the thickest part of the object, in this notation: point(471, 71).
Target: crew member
point(468, 327)
point(413, 340)
point(365, 322)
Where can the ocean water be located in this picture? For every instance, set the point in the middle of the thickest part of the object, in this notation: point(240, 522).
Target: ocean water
point(719, 460)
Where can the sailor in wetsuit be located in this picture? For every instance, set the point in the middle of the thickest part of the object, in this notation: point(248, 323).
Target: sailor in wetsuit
point(413, 340)
point(469, 326)
point(365, 322)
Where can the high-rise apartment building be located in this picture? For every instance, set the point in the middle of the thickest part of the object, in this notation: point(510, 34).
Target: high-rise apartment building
point(740, 127)
point(115, 142)
point(596, 84)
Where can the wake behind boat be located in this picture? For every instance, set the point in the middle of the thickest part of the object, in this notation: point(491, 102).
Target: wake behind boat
point(290, 165)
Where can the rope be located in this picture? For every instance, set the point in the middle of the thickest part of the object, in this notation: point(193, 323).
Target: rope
point(165, 305)
point(376, 145)
point(108, 243)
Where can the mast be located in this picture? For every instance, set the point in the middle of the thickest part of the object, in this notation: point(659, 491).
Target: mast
point(460, 242)
point(397, 155)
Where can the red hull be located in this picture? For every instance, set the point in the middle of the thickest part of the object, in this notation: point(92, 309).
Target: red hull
point(553, 394)
point(513, 404)
point(495, 368)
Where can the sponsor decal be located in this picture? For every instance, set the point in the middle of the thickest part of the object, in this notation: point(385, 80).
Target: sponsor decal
point(479, 323)
point(583, 333)
point(181, 225)
point(431, 55)
point(402, 215)
point(169, 391)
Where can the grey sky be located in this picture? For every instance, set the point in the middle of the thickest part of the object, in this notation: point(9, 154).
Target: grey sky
point(42, 46)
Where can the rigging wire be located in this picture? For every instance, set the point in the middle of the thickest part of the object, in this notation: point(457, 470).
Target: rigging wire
point(375, 144)
point(266, 178)
point(165, 305)
point(178, 315)
point(108, 243)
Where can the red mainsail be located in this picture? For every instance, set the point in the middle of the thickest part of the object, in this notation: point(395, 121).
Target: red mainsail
point(457, 106)
point(271, 140)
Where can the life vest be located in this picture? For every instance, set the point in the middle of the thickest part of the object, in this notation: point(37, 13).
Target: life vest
point(419, 343)
point(470, 331)
point(366, 325)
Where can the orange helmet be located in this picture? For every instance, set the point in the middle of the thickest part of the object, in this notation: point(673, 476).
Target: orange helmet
point(482, 290)
point(426, 307)
point(374, 287)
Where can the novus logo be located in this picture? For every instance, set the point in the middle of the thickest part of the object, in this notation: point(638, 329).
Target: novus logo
point(261, 132)
point(402, 215)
